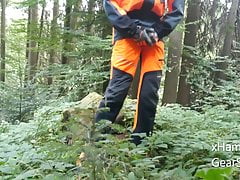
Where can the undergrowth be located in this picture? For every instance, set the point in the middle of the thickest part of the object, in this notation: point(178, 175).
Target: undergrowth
point(180, 148)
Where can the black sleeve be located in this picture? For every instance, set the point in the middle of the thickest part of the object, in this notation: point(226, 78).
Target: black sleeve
point(169, 21)
point(119, 18)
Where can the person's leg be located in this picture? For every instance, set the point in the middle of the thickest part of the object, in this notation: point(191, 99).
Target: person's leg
point(124, 61)
point(151, 71)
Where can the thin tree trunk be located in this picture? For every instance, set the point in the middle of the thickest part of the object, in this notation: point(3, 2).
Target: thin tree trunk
point(28, 32)
point(238, 24)
point(26, 73)
point(66, 35)
point(32, 58)
point(226, 50)
point(21, 91)
point(91, 6)
point(212, 14)
point(237, 30)
point(75, 15)
point(54, 26)
point(66, 40)
point(190, 39)
point(41, 27)
point(3, 36)
point(74, 26)
point(173, 64)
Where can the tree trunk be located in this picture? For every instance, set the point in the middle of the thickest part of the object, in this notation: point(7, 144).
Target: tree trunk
point(190, 39)
point(26, 69)
point(41, 27)
point(74, 25)
point(91, 6)
point(238, 24)
point(54, 26)
point(28, 32)
point(3, 34)
point(226, 50)
point(66, 35)
point(173, 64)
point(213, 35)
point(32, 57)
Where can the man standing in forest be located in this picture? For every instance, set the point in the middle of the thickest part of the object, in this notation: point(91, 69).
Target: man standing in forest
point(139, 26)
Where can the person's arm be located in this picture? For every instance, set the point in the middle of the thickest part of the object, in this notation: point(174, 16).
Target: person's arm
point(119, 18)
point(169, 21)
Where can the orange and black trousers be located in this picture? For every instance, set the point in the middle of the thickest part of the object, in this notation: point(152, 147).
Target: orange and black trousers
point(124, 61)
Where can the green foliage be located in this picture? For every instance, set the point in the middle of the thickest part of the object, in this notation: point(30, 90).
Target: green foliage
point(215, 174)
point(201, 77)
point(26, 151)
point(87, 72)
point(36, 144)
point(180, 145)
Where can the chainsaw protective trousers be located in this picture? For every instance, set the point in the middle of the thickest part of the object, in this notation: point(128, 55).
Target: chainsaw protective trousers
point(125, 57)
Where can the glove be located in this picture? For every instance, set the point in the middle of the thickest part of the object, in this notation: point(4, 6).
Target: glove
point(146, 34)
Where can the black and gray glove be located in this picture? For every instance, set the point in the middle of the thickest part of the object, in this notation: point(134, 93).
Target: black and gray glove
point(146, 34)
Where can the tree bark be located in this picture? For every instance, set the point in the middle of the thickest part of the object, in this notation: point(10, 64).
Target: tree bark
point(238, 24)
point(190, 39)
point(28, 32)
point(213, 29)
point(91, 6)
point(3, 36)
point(54, 26)
point(66, 35)
point(226, 50)
point(173, 64)
point(41, 27)
point(26, 69)
point(74, 25)
point(32, 57)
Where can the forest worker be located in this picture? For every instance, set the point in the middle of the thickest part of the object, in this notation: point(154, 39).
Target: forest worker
point(139, 26)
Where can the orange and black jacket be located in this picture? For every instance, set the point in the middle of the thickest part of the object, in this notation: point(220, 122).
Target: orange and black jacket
point(126, 15)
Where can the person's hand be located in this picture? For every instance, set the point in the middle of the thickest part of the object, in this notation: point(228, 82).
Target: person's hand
point(152, 34)
point(146, 34)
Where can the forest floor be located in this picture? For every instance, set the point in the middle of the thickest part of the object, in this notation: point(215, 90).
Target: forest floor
point(181, 148)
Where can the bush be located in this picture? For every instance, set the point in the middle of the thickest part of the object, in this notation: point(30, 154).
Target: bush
point(181, 144)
